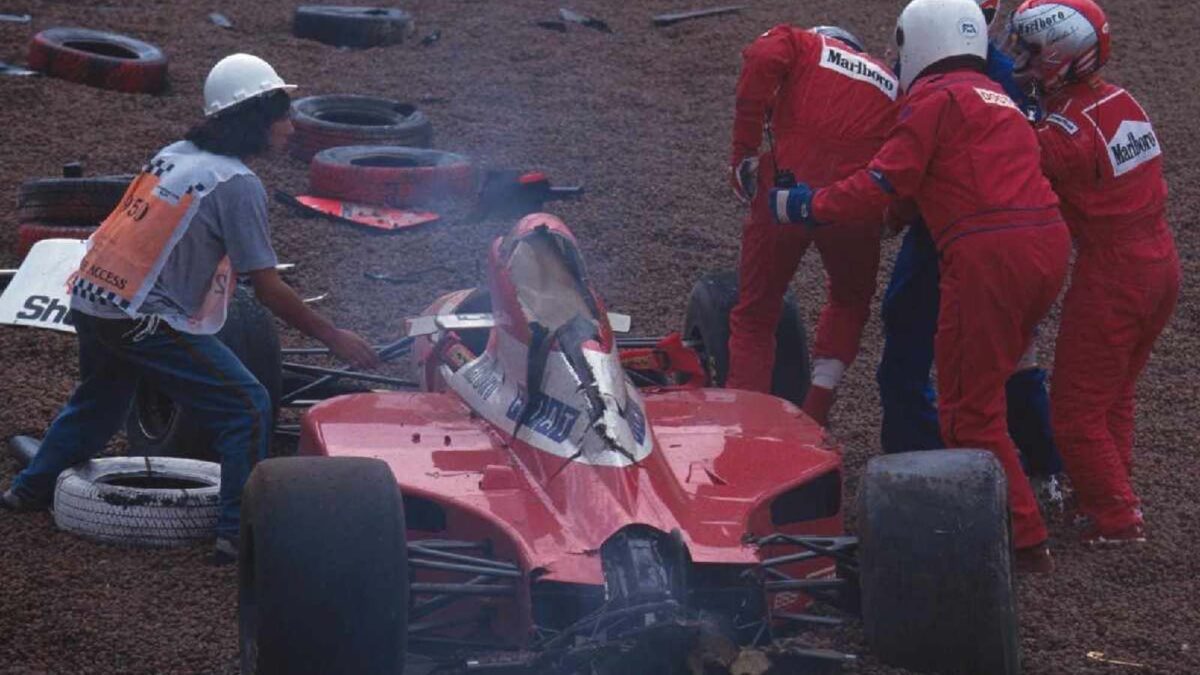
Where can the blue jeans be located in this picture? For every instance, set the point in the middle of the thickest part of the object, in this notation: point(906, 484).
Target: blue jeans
point(198, 371)
point(910, 314)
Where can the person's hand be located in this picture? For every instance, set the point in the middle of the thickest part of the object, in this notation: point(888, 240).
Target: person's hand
point(743, 175)
point(792, 205)
point(351, 348)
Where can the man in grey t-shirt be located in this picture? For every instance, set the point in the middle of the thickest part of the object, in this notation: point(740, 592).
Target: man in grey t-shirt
point(154, 287)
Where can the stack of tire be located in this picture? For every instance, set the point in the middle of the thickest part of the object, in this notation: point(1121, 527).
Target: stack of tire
point(354, 27)
point(70, 207)
point(371, 150)
point(99, 59)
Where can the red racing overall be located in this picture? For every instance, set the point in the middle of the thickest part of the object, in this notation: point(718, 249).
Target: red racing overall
point(1003, 245)
point(1104, 160)
point(830, 109)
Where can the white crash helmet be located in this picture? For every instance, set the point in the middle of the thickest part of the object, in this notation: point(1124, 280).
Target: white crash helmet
point(1056, 42)
point(236, 78)
point(929, 31)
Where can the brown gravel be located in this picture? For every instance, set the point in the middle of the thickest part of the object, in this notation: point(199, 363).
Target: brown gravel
point(641, 117)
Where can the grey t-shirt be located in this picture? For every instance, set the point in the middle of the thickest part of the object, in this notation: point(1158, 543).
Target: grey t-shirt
point(231, 220)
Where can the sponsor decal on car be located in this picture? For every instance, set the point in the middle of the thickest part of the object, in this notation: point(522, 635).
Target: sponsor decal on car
point(38, 295)
point(483, 377)
point(549, 417)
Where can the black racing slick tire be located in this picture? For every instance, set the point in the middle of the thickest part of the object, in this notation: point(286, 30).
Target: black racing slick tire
point(323, 568)
point(395, 176)
point(29, 234)
point(358, 27)
point(145, 502)
point(99, 59)
point(712, 299)
point(74, 202)
point(342, 119)
point(157, 426)
point(935, 563)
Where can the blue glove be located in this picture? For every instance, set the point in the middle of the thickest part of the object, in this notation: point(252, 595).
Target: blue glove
point(792, 205)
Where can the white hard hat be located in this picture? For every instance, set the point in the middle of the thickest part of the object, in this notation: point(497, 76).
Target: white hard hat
point(931, 30)
point(236, 78)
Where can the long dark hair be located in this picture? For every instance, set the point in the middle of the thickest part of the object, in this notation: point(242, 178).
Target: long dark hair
point(244, 129)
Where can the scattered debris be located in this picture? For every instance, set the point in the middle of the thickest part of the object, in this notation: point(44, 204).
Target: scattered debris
point(220, 19)
point(16, 18)
point(315, 298)
point(509, 193)
point(583, 20)
point(410, 278)
point(676, 17)
point(15, 71)
point(1099, 656)
point(378, 217)
point(552, 24)
point(433, 37)
point(285, 267)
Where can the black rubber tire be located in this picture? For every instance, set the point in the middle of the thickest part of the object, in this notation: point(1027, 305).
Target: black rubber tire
point(157, 426)
point(358, 27)
point(711, 301)
point(935, 563)
point(150, 502)
point(323, 568)
point(71, 202)
point(396, 176)
point(99, 59)
point(29, 234)
point(342, 119)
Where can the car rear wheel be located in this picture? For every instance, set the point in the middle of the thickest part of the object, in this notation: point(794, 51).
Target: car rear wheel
point(158, 426)
point(712, 299)
point(323, 568)
point(935, 563)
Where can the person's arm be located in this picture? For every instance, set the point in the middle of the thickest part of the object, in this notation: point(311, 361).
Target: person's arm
point(1056, 135)
point(765, 63)
point(283, 302)
point(896, 172)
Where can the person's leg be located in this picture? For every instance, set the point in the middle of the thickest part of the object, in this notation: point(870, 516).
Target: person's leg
point(95, 411)
point(1096, 341)
point(1029, 421)
point(203, 375)
point(993, 293)
point(851, 259)
point(1160, 300)
point(769, 256)
point(910, 311)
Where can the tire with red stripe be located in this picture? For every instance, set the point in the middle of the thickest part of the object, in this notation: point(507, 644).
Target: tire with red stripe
point(70, 201)
point(100, 59)
point(330, 121)
point(29, 234)
point(394, 176)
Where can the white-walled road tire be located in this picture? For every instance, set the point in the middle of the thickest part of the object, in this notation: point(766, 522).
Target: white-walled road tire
point(146, 502)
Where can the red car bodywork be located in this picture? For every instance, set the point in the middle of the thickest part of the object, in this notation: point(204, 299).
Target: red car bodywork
point(724, 467)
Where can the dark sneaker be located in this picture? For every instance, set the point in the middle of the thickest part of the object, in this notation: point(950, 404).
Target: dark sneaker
point(13, 501)
point(1132, 534)
point(225, 552)
point(1034, 560)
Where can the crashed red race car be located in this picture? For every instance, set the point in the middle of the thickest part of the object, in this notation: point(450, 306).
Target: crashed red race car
point(541, 506)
